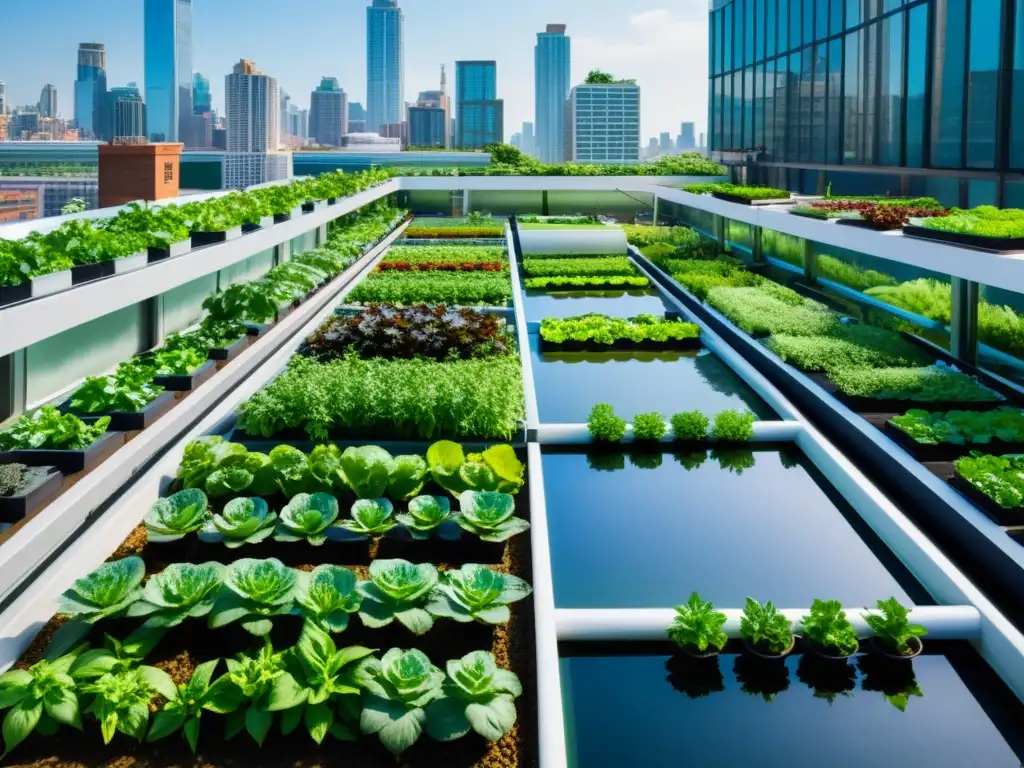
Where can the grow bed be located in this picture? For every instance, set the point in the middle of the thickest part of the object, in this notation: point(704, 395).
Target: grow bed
point(569, 384)
point(963, 240)
point(601, 333)
point(539, 304)
point(950, 436)
point(946, 708)
point(727, 523)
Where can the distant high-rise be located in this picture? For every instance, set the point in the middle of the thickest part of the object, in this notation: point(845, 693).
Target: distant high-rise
point(284, 124)
point(429, 118)
point(91, 91)
point(529, 140)
point(605, 121)
point(385, 64)
point(479, 113)
point(48, 101)
point(3, 98)
point(687, 136)
point(356, 117)
point(665, 145)
point(168, 68)
point(202, 101)
point(551, 57)
point(298, 122)
point(251, 98)
point(127, 115)
point(328, 113)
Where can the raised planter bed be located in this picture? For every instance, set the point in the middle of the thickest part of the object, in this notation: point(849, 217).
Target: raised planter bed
point(131, 263)
point(200, 239)
point(11, 294)
point(746, 201)
point(132, 421)
point(54, 282)
point(38, 494)
point(865, 224)
point(172, 251)
point(859, 404)
point(255, 226)
point(947, 451)
point(999, 515)
point(68, 462)
point(621, 345)
point(85, 273)
point(231, 352)
point(993, 244)
point(256, 330)
point(187, 382)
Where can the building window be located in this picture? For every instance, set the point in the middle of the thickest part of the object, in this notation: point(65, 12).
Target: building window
point(835, 18)
point(759, 30)
point(852, 13)
point(891, 77)
point(783, 26)
point(795, 30)
point(1017, 94)
point(749, 30)
point(852, 94)
point(727, 37)
point(793, 103)
point(748, 108)
point(769, 23)
point(983, 83)
point(808, 8)
point(917, 69)
point(948, 83)
point(821, 19)
point(737, 109)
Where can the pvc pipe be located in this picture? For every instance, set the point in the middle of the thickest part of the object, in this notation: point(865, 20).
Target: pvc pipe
point(943, 622)
point(580, 242)
point(578, 434)
point(522, 335)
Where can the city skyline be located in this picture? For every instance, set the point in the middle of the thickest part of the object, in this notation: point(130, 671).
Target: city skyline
point(657, 46)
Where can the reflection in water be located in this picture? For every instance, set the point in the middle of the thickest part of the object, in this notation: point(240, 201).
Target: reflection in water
point(733, 460)
point(828, 678)
point(695, 678)
point(692, 460)
point(894, 679)
point(621, 356)
point(766, 678)
point(606, 462)
point(645, 460)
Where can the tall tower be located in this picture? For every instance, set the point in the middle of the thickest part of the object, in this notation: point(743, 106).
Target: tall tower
point(479, 112)
point(551, 58)
point(385, 64)
point(168, 68)
point(48, 101)
point(253, 109)
point(328, 113)
point(446, 105)
point(3, 98)
point(91, 91)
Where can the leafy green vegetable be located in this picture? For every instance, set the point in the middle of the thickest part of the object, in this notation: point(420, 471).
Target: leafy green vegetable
point(407, 477)
point(698, 625)
point(849, 346)
point(370, 518)
point(183, 712)
point(758, 311)
point(181, 591)
point(828, 626)
point(690, 425)
point(225, 482)
point(130, 389)
point(367, 470)
point(478, 695)
point(105, 593)
point(588, 281)
point(115, 656)
point(42, 697)
point(398, 687)
point(1001, 478)
point(398, 590)
point(173, 517)
point(733, 426)
point(601, 265)
point(245, 692)
point(601, 329)
point(963, 427)
point(604, 425)
point(203, 456)
point(892, 627)
point(649, 426)
point(490, 515)
point(476, 593)
point(435, 287)
point(425, 514)
point(497, 468)
point(307, 517)
point(763, 626)
point(120, 700)
point(257, 591)
point(327, 596)
point(242, 521)
point(932, 384)
point(50, 429)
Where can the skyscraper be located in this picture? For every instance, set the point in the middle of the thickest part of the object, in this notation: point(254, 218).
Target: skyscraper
point(551, 57)
point(328, 113)
point(48, 101)
point(252, 109)
point(605, 121)
point(665, 143)
point(479, 113)
point(3, 98)
point(91, 90)
point(127, 112)
point(356, 117)
point(385, 64)
point(202, 101)
point(168, 68)
point(529, 141)
point(687, 136)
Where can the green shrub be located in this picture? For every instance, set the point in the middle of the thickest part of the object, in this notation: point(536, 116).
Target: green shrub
point(931, 384)
point(733, 426)
point(615, 265)
point(759, 311)
point(690, 425)
point(649, 426)
point(983, 221)
point(739, 190)
point(849, 346)
point(457, 288)
point(604, 425)
point(1001, 478)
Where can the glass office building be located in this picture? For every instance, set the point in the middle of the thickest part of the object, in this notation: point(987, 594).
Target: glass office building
point(872, 96)
point(385, 64)
point(551, 59)
point(479, 113)
point(168, 68)
point(605, 123)
point(91, 90)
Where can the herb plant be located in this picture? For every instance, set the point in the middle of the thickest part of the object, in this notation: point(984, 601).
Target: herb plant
point(306, 518)
point(601, 265)
point(199, 694)
point(50, 429)
point(257, 591)
point(490, 515)
point(698, 625)
point(327, 596)
point(923, 385)
point(398, 590)
point(827, 626)
point(242, 521)
point(120, 700)
point(478, 696)
point(764, 627)
point(759, 312)
point(173, 517)
point(476, 593)
point(455, 288)
point(690, 426)
point(963, 427)
point(733, 426)
point(649, 426)
point(891, 626)
point(604, 425)
point(426, 514)
point(40, 698)
point(601, 329)
point(248, 684)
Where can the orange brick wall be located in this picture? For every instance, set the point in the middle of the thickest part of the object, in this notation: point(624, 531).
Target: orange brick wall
point(138, 172)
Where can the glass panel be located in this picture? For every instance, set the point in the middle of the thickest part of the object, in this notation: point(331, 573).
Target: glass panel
point(1001, 327)
point(795, 30)
point(759, 25)
point(818, 105)
point(891, 5)
point(835, 101)
point(917, 68)
point(727, 37)
point(770, 142)
point(948, 84)
point(750, 29)
point(983, 83)
point(783, 28)
point(793, 101)
point(821, 19)
point(727, 112)
point(808, 21)
point(715, 45)
point(852, 107)
point(891, 105)
point(182, 306)
point(806, 103)
point(981, 193)
point(759, 116)
point(869, 85)
point(835, 19)
point(737, 109)
point(769, 22)
point(946, 191)
point(1017, 105)
point(852, 13)
point(748, 108)
point(872, 8)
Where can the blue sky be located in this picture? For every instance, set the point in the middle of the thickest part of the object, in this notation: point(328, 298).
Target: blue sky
point(661, 43)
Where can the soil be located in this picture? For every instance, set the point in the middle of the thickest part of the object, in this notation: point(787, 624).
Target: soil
point(192, 643)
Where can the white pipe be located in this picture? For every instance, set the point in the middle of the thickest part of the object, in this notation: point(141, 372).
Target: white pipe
point(522, 335)
point(577, 242)
point(578, 434)
point(943, 622)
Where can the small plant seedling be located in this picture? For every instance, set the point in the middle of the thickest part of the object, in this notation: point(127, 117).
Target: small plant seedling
point(827, 626)
point(765, 628)
point(892, 628)
point(604, 425)
point(649, 426)
point(690, 426)
point(698, 625)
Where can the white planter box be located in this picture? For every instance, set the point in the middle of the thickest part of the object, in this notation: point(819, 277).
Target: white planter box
point(232, 234)
point(131, 263)
point(266, 222)
point(180, 248)
point(52, 283)
point(296, 212)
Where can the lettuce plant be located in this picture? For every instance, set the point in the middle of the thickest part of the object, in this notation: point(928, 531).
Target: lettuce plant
point(242, 521)
point(181, 591)
point(317, 685)
point(478, 695)
point(248, 684)
point(327, 597)
point(400, 590)
point(407, 477)
point(489, 515)
point(120, 700)
point(649, 426)
point(827, 626)
point(496, 469)
point(324, 465)
point(288, 471)
point(425, 514)
point(40, 698)
point(371, 518)
point(476, 593)
point(306, 517)
point(367, 470)
point(733, 426)
point(257, 591)
point(698, 625)
point(690, 426)
point(173, 517)
point(203, 456)
point(227, 481)
point(50, 429)
point(398, 688)
point(199, 694)
point(891, 626)
point(130, 388)
point(765, 628)
point(106, 593)
point(604, 425)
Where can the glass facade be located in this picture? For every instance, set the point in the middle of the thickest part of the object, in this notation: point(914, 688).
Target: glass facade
point(168, 68)
point(804, 87)
point(479, 113)
point(426, 127)
point(91, 90)
point(385, 64)
point(606, 121)
point(551, 89)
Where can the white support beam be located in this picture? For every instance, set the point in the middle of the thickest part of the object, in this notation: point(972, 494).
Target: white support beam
point(943, 622)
